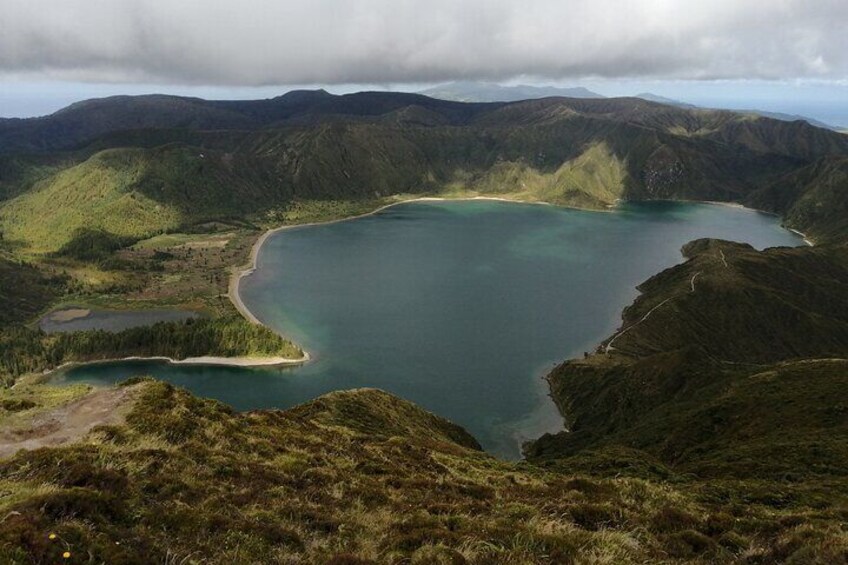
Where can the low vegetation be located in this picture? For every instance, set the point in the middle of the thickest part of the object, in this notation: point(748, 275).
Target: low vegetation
point(363, 477)
point(92, 245)
point(732, 364)
point(25, 290)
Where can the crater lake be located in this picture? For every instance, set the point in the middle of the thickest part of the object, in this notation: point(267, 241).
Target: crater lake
point(459, 306)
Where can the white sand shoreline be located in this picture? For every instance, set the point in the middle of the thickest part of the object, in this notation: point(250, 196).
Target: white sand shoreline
point(67, 315)
point(806, 239)
point(206, 360)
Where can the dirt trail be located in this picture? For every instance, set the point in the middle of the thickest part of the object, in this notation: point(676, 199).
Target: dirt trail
point(692, 282)
point(70, 422)
point(609, 346)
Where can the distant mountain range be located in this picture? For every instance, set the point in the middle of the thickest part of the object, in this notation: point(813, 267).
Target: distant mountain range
point(469, 91)
point(790, 118)
point(773, 115)
point(663, 100)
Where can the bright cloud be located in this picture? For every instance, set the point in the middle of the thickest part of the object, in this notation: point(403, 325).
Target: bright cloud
point(260, 42)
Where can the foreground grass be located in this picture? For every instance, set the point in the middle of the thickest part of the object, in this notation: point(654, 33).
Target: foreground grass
point(364, 477)
point(28, 399)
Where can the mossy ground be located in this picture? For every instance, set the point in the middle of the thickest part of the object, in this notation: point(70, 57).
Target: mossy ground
point(363, 477)
point(29, 398)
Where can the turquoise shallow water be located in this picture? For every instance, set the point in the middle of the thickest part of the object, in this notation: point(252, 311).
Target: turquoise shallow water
point(461, 307)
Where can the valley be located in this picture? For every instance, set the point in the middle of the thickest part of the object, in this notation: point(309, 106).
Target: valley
point(443, 303)
point(708, 427)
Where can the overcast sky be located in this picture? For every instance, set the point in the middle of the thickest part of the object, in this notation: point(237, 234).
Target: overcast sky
point(239, 44)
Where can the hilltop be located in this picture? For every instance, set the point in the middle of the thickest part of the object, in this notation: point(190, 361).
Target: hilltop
point(83, 122)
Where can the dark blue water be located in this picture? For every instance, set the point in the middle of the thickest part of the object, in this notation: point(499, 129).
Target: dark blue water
point(461, 307)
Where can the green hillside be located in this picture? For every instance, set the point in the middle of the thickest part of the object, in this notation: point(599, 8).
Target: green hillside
point(178, 172)
point(743, 376)
point(26, 291)
point(97, 194)
point(813, 200)
point(134, 193)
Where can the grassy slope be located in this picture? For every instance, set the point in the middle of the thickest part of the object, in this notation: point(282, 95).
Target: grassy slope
point(25, 291)
point(19, 172)
point(747, 306)
point(813, 200)
point(594, 179)
point(744, 376)
point(97, 194)
point(135, 193)
point(362, 477)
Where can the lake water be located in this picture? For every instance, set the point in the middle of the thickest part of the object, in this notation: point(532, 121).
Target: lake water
point(109, 320)
point(461, 307)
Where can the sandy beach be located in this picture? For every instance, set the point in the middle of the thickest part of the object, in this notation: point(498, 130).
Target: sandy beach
point(204, 360)
point(69, 314)
point(807, 240)
point(804, 236)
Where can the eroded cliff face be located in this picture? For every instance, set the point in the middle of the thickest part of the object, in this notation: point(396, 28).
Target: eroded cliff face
point(663, 174)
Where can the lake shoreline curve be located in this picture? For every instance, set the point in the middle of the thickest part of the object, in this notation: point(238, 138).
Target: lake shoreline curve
point(238, 273)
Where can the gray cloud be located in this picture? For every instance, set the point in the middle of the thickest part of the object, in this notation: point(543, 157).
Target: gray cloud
point(260, 42)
